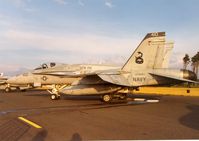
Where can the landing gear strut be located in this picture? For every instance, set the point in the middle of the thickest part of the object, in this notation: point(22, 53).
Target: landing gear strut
point(55, 91)
point(123, 96)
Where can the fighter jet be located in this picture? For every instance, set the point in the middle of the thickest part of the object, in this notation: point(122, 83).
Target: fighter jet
point(147, 66)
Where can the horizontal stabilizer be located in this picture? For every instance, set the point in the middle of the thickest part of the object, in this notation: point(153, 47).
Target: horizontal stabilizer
point(175, 78)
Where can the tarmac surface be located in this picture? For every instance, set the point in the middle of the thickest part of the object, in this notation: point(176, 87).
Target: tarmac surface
point(86, 118)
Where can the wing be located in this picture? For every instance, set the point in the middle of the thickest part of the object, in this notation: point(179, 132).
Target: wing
point(76, 73)
point(62, 73)
point(118, 79)
point(97, 77)
point(113, 76)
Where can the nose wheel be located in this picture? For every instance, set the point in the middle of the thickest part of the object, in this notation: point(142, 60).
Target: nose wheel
point(55, 97)
point(7, 89)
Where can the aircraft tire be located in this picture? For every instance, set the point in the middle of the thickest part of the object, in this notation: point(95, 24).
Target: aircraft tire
point(54, 97)
point(106, 98)
point(7, 89)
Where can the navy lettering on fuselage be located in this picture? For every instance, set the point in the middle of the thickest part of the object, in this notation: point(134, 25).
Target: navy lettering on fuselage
point(139, 79)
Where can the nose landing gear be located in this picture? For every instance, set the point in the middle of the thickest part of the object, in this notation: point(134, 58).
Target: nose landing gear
point(55, 97)
point(55, 91)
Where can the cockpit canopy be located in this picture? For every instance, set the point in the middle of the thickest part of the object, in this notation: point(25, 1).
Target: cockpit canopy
point(46, 65)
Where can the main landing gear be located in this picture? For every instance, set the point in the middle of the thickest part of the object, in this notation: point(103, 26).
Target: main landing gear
point(107, 98)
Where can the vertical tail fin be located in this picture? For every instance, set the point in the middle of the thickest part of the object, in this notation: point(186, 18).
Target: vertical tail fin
point(163, 55)
point(167, 53)
point(147, 53)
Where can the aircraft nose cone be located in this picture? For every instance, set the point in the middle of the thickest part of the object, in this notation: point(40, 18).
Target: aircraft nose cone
point(189, 75)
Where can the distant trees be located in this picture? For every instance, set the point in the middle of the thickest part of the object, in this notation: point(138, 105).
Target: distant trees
point(186, 61)
point(194, 62)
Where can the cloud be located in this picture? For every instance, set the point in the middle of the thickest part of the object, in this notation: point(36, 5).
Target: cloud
point(5, 67)
point(109, 4)
point(20, 3)
point(5, 21)
point(176, 60)
point(24, 5)
point(37, 47)
point(61, 2)
point(93, 44)
point(1, 16)
point(80, 2)
point(30, 10)
point(79, 47)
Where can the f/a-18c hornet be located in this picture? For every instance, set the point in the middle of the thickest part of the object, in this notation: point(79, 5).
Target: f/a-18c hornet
point(147, 66)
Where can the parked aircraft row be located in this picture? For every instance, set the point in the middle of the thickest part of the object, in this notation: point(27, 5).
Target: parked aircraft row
point(148, 65)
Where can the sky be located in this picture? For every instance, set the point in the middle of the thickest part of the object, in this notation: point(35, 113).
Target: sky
point(91, 31)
